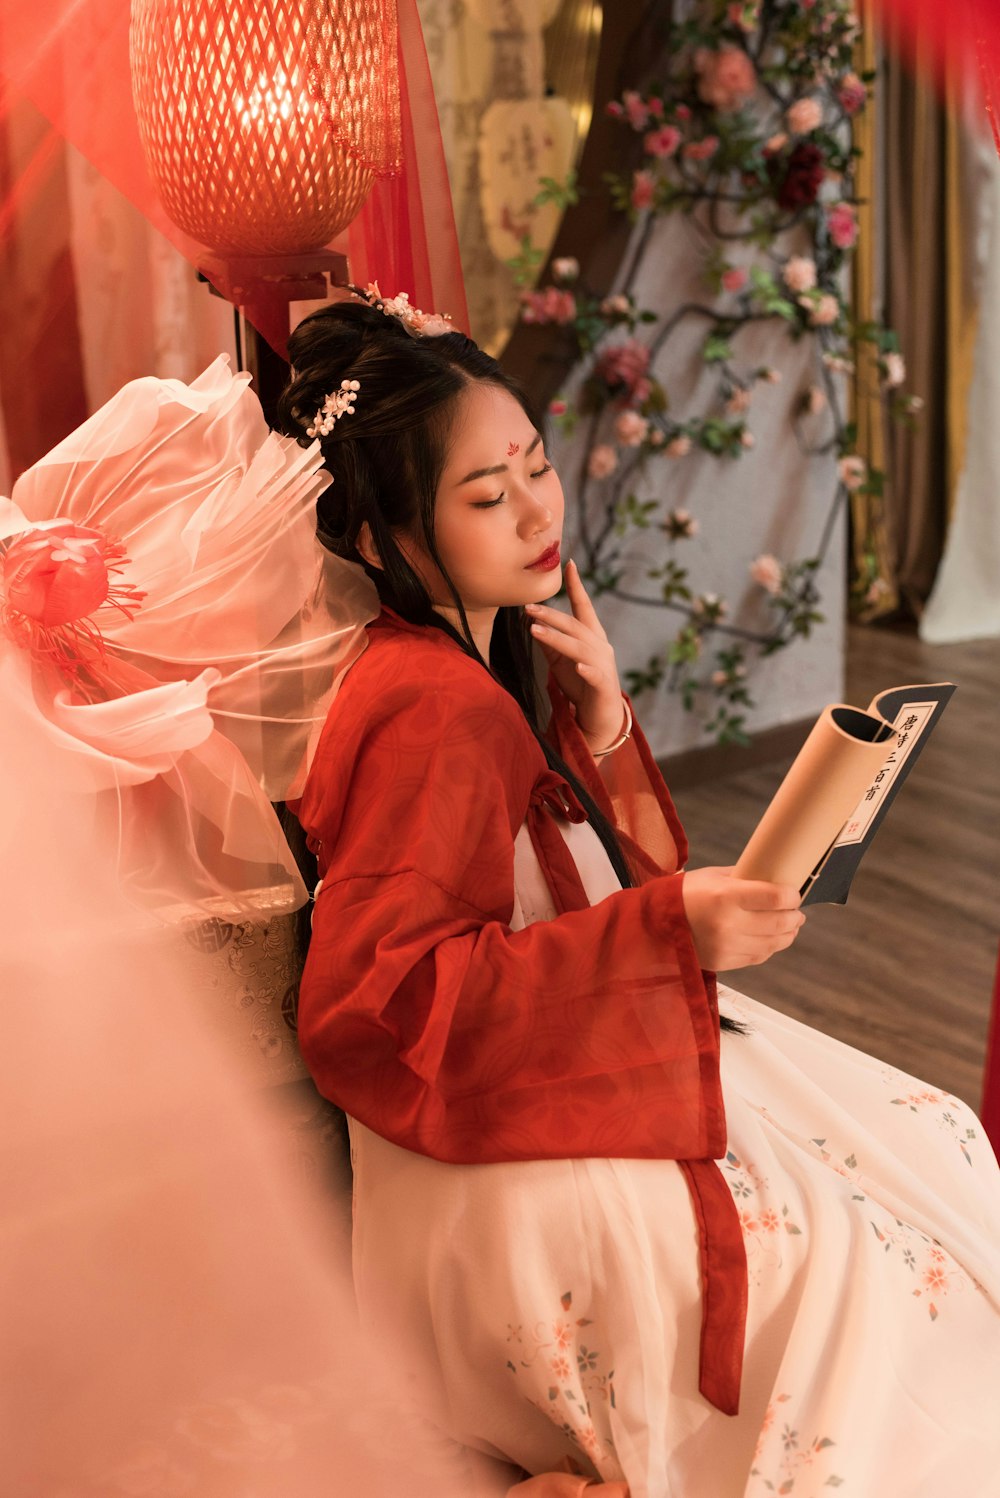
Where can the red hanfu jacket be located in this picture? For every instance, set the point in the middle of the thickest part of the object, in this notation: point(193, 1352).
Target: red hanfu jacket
point(425, 1017)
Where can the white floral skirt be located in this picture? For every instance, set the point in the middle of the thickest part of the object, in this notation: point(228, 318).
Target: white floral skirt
point(553, 1308)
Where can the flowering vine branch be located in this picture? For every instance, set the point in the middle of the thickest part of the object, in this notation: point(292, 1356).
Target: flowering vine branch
point(748, 134)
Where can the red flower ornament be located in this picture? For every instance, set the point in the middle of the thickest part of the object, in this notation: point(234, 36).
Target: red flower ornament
point(54, 578)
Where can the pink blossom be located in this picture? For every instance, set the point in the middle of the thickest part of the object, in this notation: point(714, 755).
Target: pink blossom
point(747, 438)
point(838, 363)
point(701, 150)
point(557, 408)
point(726, 79)
point(739, 401)
point(769, 375)
point(550, 305)
point(734, 278)
point(616, 306)
point(655, 107)
point(635, 109)
point(851, 93)
point(823, 309)
point(813, 400)
point(775, 144)
point(656, 437)
point(767, 571)
point(683, 112)
point(631, 428)
point(680, 525)
point(625, 367)
point(603, 460)
point(719, 678)
point(643, 191)
point(678, 447)
point(743, 13)
point(804, 116)
point(614, 109)
point(566, 268)
point(663, 142)
point(893, 370)
point(853, 471)
point(799, 273)
point(842, 222)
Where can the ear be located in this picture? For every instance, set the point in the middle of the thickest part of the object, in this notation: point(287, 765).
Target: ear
point(366, 546)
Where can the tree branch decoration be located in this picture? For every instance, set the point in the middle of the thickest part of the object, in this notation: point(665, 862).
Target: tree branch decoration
point(749, 135)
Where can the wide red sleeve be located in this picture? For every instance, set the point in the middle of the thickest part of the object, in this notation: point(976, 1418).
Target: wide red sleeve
point(422, 1013)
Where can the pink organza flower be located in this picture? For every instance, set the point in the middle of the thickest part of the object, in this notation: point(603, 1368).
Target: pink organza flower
point(851, 93)
point(799, 273)
point(643, 191)
point(701, 150)
point(678, 447)
point(726, 78)
point(734, 278)
point(602, 462)
point(842, 222)
point(804, 116)
point(663, 142)
point(625, 367)
point(631, 428)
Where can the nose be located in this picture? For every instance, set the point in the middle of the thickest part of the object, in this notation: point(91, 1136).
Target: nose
point(535, 517)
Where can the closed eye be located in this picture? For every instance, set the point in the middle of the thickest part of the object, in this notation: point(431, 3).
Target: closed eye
point(541, 472)
point(488, 504)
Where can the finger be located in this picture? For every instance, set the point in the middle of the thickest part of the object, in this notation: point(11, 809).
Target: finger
point(568, 645)
point(761, 894)
point(580, 599)
point(555, 619)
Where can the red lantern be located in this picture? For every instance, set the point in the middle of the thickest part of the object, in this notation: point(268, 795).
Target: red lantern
point(265, 124)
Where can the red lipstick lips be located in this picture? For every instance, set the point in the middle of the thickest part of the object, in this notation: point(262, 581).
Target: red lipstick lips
point(547, 561)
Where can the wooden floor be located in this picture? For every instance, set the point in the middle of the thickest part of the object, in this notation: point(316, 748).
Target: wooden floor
point(905, 969)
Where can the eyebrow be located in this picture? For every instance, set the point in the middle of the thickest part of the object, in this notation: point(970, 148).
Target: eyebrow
point(484, 473)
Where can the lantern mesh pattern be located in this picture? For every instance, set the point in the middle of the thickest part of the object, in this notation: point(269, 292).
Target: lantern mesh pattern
point(264, 125)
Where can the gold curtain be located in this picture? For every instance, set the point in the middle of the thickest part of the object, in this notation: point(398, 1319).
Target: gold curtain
point(913, 265)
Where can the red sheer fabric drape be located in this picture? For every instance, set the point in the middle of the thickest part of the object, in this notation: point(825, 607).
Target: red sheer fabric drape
point(64, 76)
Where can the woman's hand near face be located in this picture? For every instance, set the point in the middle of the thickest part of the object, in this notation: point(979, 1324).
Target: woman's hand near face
point(582, 661)
point(738, 922)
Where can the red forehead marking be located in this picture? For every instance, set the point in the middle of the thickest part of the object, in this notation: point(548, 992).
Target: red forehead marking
point(512, 448)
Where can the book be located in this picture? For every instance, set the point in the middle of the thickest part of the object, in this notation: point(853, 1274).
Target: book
point(825, 813)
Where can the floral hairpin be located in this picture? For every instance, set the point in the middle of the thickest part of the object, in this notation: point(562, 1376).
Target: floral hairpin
point(420, 324)
point(337, 404)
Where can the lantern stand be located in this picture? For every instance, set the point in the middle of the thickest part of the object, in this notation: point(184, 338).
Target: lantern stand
point(263, 287)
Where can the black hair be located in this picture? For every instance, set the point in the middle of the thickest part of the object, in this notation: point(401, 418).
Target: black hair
point(386, 460)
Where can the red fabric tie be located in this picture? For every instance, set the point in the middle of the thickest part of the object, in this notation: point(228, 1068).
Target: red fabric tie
point(554, 797)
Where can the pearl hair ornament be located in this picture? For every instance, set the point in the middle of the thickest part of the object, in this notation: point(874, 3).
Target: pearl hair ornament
point(337, 404)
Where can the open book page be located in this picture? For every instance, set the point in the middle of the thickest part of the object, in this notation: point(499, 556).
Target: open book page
point(839, 787)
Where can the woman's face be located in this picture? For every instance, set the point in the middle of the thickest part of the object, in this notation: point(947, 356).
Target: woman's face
point(498, 512)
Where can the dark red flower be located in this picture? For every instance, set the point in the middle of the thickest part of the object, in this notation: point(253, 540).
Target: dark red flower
point(797, 177)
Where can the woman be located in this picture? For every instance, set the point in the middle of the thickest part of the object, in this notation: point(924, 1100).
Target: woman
point(510, 990)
